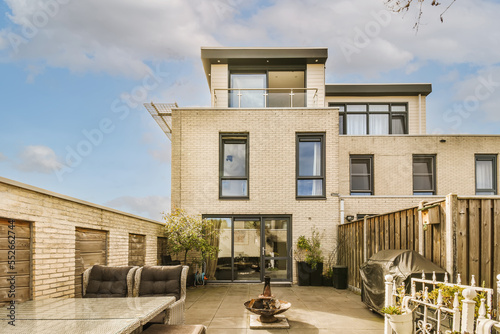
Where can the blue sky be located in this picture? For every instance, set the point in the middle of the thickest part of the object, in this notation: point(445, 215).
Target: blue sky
point(74, 75)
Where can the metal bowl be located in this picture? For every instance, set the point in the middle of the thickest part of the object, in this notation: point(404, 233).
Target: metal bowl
point(266, 315)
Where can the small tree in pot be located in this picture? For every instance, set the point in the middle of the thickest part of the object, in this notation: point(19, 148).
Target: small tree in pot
point(187, 233)
point(310, 259)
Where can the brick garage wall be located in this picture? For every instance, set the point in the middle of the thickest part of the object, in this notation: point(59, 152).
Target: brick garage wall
point(272, 145)
point(54, 218)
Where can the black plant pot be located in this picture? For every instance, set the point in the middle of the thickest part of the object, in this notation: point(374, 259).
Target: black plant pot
point(340, 277)
point(317, 275)
point(327, 281)
point(304, 271)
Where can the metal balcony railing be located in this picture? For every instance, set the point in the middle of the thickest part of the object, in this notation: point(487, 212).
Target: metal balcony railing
point(266, 97)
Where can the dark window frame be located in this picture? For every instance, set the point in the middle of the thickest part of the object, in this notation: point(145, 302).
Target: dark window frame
point(368, 192)
point(434, 176)
point(493, 159)
point(392, 114)
point(227, 138)
point(310, 136)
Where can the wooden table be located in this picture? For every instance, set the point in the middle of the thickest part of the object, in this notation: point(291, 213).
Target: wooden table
point(108, 315)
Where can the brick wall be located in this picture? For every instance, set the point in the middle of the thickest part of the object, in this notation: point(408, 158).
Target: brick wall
point(272, 140)
point(54, 218)
point(393, 171)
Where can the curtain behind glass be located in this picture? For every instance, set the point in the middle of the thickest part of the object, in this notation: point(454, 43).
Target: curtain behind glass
point(356, 124)
point(379, 124)
point(309, 158)
point(484, 174)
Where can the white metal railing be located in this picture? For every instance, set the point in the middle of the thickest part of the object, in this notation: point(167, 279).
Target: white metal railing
point(265, 97)
point(431, 312)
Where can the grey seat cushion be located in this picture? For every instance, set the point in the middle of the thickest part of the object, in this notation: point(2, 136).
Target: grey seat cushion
point(107, 282)
point(161, 281)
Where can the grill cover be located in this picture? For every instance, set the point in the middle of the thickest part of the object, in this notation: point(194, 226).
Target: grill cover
point(402, 264)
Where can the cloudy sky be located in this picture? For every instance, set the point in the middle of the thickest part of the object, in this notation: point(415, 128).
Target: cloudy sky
point(74, 76)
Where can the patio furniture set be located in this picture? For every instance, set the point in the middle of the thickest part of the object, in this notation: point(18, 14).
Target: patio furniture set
point(149, 299)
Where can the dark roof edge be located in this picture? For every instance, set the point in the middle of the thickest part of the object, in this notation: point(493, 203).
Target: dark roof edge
point(262, 52)
point(400, 89)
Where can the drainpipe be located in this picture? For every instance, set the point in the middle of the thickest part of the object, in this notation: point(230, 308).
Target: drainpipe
point(419, 114)
point(342, 211)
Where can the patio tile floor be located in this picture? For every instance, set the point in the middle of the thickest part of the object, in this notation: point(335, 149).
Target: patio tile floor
point(315, 310)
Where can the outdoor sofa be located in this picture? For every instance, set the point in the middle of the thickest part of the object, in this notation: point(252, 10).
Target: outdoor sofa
point(164, 281)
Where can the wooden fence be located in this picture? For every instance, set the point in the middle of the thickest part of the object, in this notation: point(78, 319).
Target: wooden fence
point(461, 235)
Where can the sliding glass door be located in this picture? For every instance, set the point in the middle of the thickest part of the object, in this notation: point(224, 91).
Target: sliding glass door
point(252, 247)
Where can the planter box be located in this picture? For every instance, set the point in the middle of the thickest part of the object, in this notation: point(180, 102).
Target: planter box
point(339, 277)
point(304, 271)
point(317, 275)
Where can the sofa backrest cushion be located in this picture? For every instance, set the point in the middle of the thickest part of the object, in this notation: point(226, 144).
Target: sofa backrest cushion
point(161, 280)
point(107, 282)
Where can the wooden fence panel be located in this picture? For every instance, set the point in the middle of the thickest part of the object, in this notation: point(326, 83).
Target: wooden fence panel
point(477, 236)
point(397, 230)
point(463, 238)
point(496, 239)
point(404, 230)
point(474, 240)
point(486, 244)
point(442, 224)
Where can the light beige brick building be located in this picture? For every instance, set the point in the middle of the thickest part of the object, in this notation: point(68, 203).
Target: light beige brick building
point(279, 152)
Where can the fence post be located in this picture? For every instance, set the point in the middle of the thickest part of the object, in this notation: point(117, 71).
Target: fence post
point(450, 237)
point(421, 229)
point(365, 238)
point(468, 306)
point(498, 297)
point(388, 302)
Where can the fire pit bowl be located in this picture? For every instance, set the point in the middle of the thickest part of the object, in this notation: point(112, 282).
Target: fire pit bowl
point(267, 308)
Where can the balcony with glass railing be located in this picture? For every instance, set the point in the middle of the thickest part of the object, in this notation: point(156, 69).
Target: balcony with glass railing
point(266, 97)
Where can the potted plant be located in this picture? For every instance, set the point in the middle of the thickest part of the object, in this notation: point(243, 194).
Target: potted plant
point(310, 259)
point(400, 317)
point(190, 233)
point(328, 277)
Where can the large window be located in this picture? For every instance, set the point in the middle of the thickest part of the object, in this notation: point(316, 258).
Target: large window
point(372, 118)
point(233, 166)
point(246, 92)
point(486, 174)
point(361, 174)
point(267, 89)
point(310, 165)
point(424, 175)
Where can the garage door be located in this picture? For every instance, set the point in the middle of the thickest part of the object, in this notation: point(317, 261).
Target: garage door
point(15, 246)
point(136, 249)
point(90, 249)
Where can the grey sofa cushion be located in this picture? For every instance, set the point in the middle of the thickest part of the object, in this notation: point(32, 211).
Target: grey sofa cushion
point(107, 282)
point(161, 281)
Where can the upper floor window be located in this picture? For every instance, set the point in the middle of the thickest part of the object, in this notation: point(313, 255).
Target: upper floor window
point(486, 174)
point(424, 175)
point(233, 166)
point(372, 118)
point(310, 165)
point(361, 170)
point(267, 89)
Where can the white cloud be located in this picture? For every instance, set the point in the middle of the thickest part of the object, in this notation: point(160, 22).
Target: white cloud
point(150, 206)
point(3, 157)
point(121, 37)
point(38, 158)
point(114, 36)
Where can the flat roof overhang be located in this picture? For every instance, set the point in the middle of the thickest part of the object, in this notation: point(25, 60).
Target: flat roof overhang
point(400, 89)
point(261, 56)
